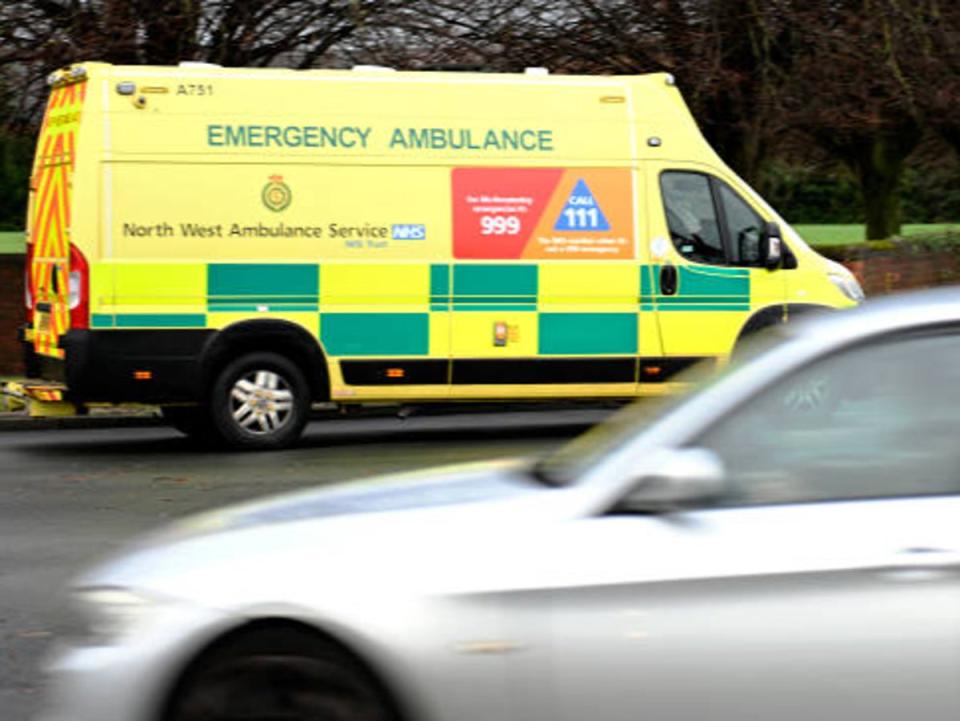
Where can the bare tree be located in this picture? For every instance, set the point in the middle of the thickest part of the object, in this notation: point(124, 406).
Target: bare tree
point(855, 92)
point(863, 79)
point(726, 54)
point(37, 36)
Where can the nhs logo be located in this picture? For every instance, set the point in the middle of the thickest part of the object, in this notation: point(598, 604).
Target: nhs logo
point(409, 231)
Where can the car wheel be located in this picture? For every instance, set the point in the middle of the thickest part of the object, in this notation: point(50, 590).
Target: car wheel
point(260, 401)
point(278, 674)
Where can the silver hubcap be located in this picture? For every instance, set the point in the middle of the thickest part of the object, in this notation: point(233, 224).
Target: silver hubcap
point(261, 402)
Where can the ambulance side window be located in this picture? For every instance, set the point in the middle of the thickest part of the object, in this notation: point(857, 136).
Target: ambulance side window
point(692, 217)
point(744, 227)
point(708, 220)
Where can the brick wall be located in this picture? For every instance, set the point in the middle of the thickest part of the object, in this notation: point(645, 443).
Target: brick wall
point(890, 271)
point(11, 313)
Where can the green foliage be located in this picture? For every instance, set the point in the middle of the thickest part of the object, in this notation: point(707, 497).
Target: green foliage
point(839, 243)
point(16, 153)
point(12, 242)
point(925, 243)
point(827, 235)
point(929, 195)
point(803, 196)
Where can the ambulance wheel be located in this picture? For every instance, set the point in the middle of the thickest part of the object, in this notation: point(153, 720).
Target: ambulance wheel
point(191, 421)
point(260, 401)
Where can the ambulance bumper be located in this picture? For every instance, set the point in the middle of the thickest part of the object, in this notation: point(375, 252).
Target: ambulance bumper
point(119, 366)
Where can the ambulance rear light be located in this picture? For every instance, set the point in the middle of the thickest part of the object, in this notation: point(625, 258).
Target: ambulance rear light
point(539, 72)
point(197, 64)
point(78, 296)
point(373, 68)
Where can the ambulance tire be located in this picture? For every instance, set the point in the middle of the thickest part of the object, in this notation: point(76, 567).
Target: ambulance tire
point(260, 401)
point(192, 421)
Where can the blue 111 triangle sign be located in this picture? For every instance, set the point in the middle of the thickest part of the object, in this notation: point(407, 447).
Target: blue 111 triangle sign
point(581, 211)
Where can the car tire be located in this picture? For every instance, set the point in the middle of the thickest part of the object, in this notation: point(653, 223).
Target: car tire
point(260, 401)
point(274, 673)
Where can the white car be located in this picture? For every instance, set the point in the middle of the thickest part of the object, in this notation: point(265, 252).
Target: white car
point(784, 544)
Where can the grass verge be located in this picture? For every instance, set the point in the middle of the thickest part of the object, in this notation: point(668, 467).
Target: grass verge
point(853, 233)
point(12, 242)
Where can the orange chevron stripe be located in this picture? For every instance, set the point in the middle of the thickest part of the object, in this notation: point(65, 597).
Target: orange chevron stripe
point(46, 148)
point(65, 198)
point(51, 214)
point(60, 208)
point(56, 228)
point(45, 202)
point(39, 171)
point(46, 168)
point(42, 248)
point(46, 114)
point(72, 148)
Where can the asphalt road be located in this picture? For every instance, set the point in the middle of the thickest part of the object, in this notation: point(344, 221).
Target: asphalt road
point(70, 496)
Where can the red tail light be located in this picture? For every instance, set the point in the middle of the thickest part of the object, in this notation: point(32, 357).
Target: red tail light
point(79, 289)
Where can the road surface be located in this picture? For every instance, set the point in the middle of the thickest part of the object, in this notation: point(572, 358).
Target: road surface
point(68, 497)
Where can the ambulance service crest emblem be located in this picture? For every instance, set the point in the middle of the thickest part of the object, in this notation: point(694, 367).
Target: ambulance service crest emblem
point(276, 194)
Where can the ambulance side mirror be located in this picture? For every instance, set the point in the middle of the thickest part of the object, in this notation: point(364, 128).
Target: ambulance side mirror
point(771, 246)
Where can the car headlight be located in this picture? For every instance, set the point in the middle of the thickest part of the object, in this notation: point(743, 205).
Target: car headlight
point(106, 614)
point(848, 285)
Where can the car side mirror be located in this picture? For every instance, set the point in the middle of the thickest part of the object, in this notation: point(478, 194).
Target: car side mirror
point(771, 246)
point(679, 479)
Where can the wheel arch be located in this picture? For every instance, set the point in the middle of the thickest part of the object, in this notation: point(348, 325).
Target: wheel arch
point(399, 708)
point(271, 335)
point(777, 314)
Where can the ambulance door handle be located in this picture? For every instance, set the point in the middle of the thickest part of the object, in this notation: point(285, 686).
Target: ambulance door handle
point(668, 280)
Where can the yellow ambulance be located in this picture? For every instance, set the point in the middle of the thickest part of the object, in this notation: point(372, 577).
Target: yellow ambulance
point(234, 245)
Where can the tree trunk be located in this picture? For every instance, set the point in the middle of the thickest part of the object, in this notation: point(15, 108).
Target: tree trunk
point(877, 160)
point(879, 165)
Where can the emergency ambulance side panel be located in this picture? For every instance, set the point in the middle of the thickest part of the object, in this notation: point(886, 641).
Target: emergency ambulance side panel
point(549, 307)
point(495, 255)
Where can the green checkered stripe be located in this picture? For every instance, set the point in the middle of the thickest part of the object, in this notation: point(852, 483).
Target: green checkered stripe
point(247, 288)
point(699, 288)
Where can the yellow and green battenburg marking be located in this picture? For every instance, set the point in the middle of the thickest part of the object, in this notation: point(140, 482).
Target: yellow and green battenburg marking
point(339, 295)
